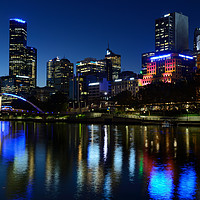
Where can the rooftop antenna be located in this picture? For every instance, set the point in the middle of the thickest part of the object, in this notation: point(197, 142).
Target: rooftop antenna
point(108, 44)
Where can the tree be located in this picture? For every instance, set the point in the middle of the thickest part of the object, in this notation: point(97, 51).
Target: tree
point(124, 98)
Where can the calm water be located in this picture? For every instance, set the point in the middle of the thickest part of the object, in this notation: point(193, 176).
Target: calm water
point(74, 161)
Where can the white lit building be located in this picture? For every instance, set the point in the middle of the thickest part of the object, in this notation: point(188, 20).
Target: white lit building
point(120, 85)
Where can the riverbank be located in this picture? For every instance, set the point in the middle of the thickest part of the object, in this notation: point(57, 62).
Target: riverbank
point(102, 118)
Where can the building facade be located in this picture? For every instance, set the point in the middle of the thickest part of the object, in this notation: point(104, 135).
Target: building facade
point(169, 31)
point(22, 59)
point(145, 59)
point(90, 66)
point(168, 68)
point(98, 91)
point(120, 85)
point(19, 85)
point(59, 74)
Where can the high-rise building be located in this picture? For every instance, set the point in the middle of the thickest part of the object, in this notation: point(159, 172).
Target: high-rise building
point(59, 74)
point(90, 66)
point(196, 46)
point(171, 33)
point(115, 62)
point(31, 64)
point(22, 59)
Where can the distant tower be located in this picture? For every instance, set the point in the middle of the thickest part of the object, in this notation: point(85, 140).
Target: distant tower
point(196, 40)
point(115, 62)
point(171, 33)
point(22, 59)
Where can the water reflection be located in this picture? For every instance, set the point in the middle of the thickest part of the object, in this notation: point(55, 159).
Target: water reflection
point(76, 161)
point(161, 183)
point(187, 183)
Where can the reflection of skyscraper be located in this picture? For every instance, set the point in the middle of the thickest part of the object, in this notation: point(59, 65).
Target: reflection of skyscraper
point(22, 59)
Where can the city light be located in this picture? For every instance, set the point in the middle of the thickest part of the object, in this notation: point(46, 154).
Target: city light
point(13, 95)
point(160, 57)
point(118, 80)
point(184, 56)
point(108, 52)
point(92, 84)
point(22, 76)
point(167, 15)
point(19, 20)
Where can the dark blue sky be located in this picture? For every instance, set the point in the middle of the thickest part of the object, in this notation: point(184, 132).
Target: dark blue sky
point(79, 29)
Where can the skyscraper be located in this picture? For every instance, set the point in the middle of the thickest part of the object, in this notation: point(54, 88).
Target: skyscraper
point(196, 40)
point(59, 73)
point(22, 59)
point(90, 66)
point(31, 64)
point(115, 62)
point(171, 33)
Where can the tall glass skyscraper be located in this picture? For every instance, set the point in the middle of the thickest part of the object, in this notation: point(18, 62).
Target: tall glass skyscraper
point(171, 33)
point(22, 59)
point(59, 74)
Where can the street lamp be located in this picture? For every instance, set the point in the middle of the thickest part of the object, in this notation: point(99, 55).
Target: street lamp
point(187, 106)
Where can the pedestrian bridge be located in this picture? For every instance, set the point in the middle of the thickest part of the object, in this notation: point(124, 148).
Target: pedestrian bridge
point(21, 98)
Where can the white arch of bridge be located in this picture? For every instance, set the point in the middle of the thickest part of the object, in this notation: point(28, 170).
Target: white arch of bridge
point(23, 99)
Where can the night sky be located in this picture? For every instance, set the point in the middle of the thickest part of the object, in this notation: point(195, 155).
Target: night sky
point(79, 29)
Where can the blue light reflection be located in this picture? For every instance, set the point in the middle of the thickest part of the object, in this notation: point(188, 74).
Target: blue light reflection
point(161, 183)
point(187, 183)
point(13, 146)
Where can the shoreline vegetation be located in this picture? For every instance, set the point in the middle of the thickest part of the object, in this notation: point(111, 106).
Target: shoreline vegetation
point(104, 118)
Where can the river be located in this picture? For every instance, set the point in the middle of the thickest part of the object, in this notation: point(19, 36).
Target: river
point(81, 161)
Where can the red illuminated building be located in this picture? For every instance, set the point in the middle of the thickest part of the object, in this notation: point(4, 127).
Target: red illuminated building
point(168, 68)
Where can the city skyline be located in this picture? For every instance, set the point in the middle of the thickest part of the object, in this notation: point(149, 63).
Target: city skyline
point(78, 30)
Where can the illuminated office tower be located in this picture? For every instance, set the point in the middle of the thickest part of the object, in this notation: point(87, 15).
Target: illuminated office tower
point(22, 59)
point(90, 66)
point(115, 62)
point(31, 65)
point(171, 33)
point(59, 74)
